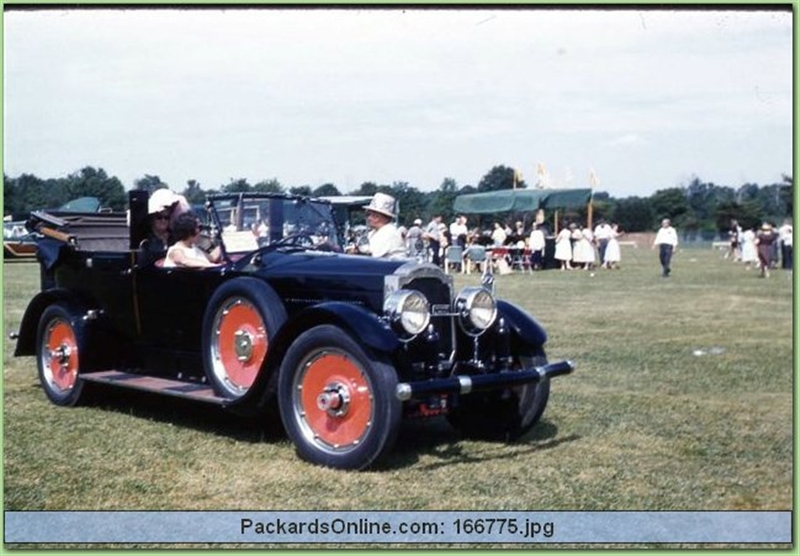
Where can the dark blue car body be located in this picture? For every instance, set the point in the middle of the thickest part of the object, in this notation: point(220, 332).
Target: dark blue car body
point(344, 346)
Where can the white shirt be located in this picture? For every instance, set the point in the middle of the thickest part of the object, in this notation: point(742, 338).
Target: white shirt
point(666, 235)
point(433, 230)
point(386, 242)
point(537, 240)
point(458, 229)
point(785, 233)
point(603, 231)
point(414, 233)
point(499, 236)
point(192, 252)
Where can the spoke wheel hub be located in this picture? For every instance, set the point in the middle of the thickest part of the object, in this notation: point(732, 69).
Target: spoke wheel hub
point(334, 399)
point(243, 345)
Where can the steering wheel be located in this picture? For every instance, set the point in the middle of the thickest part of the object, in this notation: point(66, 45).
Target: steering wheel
point(300, 239)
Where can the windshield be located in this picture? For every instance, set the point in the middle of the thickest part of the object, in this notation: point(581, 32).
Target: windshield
point(248, 222)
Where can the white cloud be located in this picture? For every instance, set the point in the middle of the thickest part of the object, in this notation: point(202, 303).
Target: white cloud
point(417, 95)
point(627, 140)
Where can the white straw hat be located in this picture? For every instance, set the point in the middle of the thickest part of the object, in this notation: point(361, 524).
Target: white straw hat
point(161, 199)
point(382, 204)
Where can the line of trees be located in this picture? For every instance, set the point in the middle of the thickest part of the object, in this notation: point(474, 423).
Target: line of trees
point(697, 207)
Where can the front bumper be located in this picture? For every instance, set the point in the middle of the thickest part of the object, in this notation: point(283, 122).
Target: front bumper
point(464, 384)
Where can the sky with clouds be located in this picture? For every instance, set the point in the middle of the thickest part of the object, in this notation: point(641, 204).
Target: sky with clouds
point(648, 99)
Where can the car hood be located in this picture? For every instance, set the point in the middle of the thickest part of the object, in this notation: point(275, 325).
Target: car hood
point(332, 264)
point(307, 278)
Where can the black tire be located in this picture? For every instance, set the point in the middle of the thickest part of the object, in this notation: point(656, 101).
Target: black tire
point(503, 414)
point(241, 320)
point(337, 401)
point(60, 345)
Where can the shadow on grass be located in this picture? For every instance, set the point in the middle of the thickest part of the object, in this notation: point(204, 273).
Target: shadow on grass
point(416, 438)
point(437, 439)
point(199, 416)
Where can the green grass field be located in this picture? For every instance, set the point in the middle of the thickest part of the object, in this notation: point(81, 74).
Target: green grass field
point(682, 400)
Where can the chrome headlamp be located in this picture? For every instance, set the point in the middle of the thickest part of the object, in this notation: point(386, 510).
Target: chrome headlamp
point(408, 312)
point(476, 309)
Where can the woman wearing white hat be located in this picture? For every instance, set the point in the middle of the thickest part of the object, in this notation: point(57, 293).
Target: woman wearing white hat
point(385, 239)
point(160, 208)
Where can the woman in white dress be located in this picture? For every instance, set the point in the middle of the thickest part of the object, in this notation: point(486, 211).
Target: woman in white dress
point(583, 249)
point(613, 255)
point(564, 248)
point(749, 251)
point(184, 252)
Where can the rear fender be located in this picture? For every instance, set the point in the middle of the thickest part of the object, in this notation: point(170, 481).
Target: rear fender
point(526, 331)
point(26, 342)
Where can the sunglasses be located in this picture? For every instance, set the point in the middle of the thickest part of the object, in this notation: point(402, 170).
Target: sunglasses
point(162, 217)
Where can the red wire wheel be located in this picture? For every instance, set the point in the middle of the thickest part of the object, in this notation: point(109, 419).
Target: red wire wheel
point(242, 318)
point(337, 399)
point(59, 344)
point(334, 400)
point(60, 355)
point(240, 343)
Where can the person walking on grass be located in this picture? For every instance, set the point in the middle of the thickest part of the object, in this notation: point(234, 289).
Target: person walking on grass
point(785, 234)
point(764, 241)
point(749, 255)
point(666, 240)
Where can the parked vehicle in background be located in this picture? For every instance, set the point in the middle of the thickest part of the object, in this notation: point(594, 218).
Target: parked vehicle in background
point(18, 242)
point(343, 347)
point(349, 216)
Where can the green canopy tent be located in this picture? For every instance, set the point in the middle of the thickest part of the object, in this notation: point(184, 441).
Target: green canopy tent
point(521, 200)
point(527, 200)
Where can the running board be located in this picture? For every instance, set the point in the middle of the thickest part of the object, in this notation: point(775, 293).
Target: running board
point(157, 385)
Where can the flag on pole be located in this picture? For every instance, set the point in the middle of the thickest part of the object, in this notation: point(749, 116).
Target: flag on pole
point(593, 178)
point(541, 173)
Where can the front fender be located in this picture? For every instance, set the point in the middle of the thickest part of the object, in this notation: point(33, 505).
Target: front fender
point(528, 331)
point(363, 325)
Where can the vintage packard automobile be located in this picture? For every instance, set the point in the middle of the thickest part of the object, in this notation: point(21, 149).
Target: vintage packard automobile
point(343, 347)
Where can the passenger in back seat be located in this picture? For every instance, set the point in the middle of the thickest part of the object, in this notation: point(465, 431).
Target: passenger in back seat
point(160, 208)
point(185, 252)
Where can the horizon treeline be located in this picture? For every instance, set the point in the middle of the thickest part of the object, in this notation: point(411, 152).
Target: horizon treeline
point(697, 207)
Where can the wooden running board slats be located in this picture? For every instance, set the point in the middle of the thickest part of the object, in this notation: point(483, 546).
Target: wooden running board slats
point(177, 388)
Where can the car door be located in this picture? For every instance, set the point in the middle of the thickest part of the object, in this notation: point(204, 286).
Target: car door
point(171, 303)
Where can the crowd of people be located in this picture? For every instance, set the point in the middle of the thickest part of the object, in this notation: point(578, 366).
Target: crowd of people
point(763, 248)
point(584, 248)
point(174, 233)
point(575, 247)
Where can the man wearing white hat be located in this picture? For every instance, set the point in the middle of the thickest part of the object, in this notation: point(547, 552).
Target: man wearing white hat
point(385, 239)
